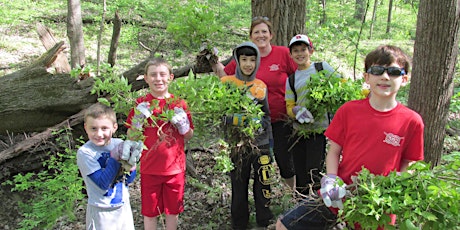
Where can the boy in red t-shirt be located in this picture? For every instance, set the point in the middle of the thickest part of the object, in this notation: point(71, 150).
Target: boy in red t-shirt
point(162, 164)
point(377, 133)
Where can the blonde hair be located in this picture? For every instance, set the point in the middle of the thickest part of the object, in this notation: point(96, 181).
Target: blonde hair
point(100, 110)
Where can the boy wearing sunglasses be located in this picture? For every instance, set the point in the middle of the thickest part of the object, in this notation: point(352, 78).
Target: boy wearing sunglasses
point(378, 133)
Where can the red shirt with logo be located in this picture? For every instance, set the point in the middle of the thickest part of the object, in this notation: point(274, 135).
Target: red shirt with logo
point(378, 141)
point(165, 153)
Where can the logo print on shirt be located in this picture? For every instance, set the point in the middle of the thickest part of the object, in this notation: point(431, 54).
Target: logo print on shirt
point(392, 139)
point(274, 67)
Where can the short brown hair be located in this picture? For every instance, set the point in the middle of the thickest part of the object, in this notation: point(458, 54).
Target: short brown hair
point(100, 110)
point(259, 20)
point(157, 62)
point(387, 54)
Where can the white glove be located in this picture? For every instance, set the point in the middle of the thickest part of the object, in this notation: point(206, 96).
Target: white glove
point(132, 151)
point(138, 119)
point(331, 192)
point(302, 114)
point(180, 120)
point(144, 108)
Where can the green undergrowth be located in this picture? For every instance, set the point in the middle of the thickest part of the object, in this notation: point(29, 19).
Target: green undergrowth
point(55, 191)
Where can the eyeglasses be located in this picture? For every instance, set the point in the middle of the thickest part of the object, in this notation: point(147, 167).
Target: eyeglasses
point(260, 17)
point(392, 71)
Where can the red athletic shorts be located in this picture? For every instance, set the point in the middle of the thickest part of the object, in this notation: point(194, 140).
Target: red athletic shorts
point(162, 194)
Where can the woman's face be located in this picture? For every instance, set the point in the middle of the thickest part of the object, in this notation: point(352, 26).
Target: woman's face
point(261, 35)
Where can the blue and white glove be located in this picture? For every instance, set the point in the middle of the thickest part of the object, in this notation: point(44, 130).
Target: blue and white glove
point(302, 114)
point(180, 120)
point(332, 191)
point(145, 112)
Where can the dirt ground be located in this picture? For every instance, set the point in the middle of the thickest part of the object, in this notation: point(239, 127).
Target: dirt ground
point(207, 202)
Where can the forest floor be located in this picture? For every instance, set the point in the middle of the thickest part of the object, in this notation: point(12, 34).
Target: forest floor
point(207, 201)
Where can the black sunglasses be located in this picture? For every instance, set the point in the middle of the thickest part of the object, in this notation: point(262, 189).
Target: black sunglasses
point(392, 71)
point(260, 17)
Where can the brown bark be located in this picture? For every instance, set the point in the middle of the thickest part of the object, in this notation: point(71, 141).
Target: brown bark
point(47, 38)
point(33, 99)
point(37, 139)
point(115, 37)
point(435, 56)
point(75, 34)
point(287, 17)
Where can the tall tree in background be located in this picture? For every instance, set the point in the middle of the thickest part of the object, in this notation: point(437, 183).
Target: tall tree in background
point(435, 56)
point(360, 8)
point(287, 17)
point(390, 7)
point(75, 34)
point(374, 16)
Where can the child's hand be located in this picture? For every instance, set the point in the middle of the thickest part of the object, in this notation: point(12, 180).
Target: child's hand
point(117, 152)
point(302, 114)
point(145, 112)
point(331, 191)
point(144, 108)
point(180, 120)
point(132, 151)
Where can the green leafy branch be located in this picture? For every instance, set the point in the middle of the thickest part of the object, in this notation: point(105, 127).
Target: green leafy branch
point(326, 92)
point(425, 198)
point(209, 100)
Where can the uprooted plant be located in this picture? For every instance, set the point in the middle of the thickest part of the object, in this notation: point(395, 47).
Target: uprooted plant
point(422, 198)
point(325, 93)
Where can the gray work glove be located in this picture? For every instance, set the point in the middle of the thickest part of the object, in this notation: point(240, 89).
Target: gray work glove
point(145, 112)
point(302, 115)
point(332, 191)
point(132, 151)
point(180, 121)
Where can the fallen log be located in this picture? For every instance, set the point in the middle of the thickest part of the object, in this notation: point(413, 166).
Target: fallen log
point(33, 99)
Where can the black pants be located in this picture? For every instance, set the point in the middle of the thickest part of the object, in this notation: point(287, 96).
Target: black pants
point(282, 132)
point(261, 164)
point(309, 154)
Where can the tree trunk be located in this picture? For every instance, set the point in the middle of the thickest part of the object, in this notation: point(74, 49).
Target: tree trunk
point(75, 34)
point(287, 17)
point(115, 37)
point(360, 7)
point(435, 56)
point(374, 13)
point(390, 8)
point(99, 37)
point(323, 13)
